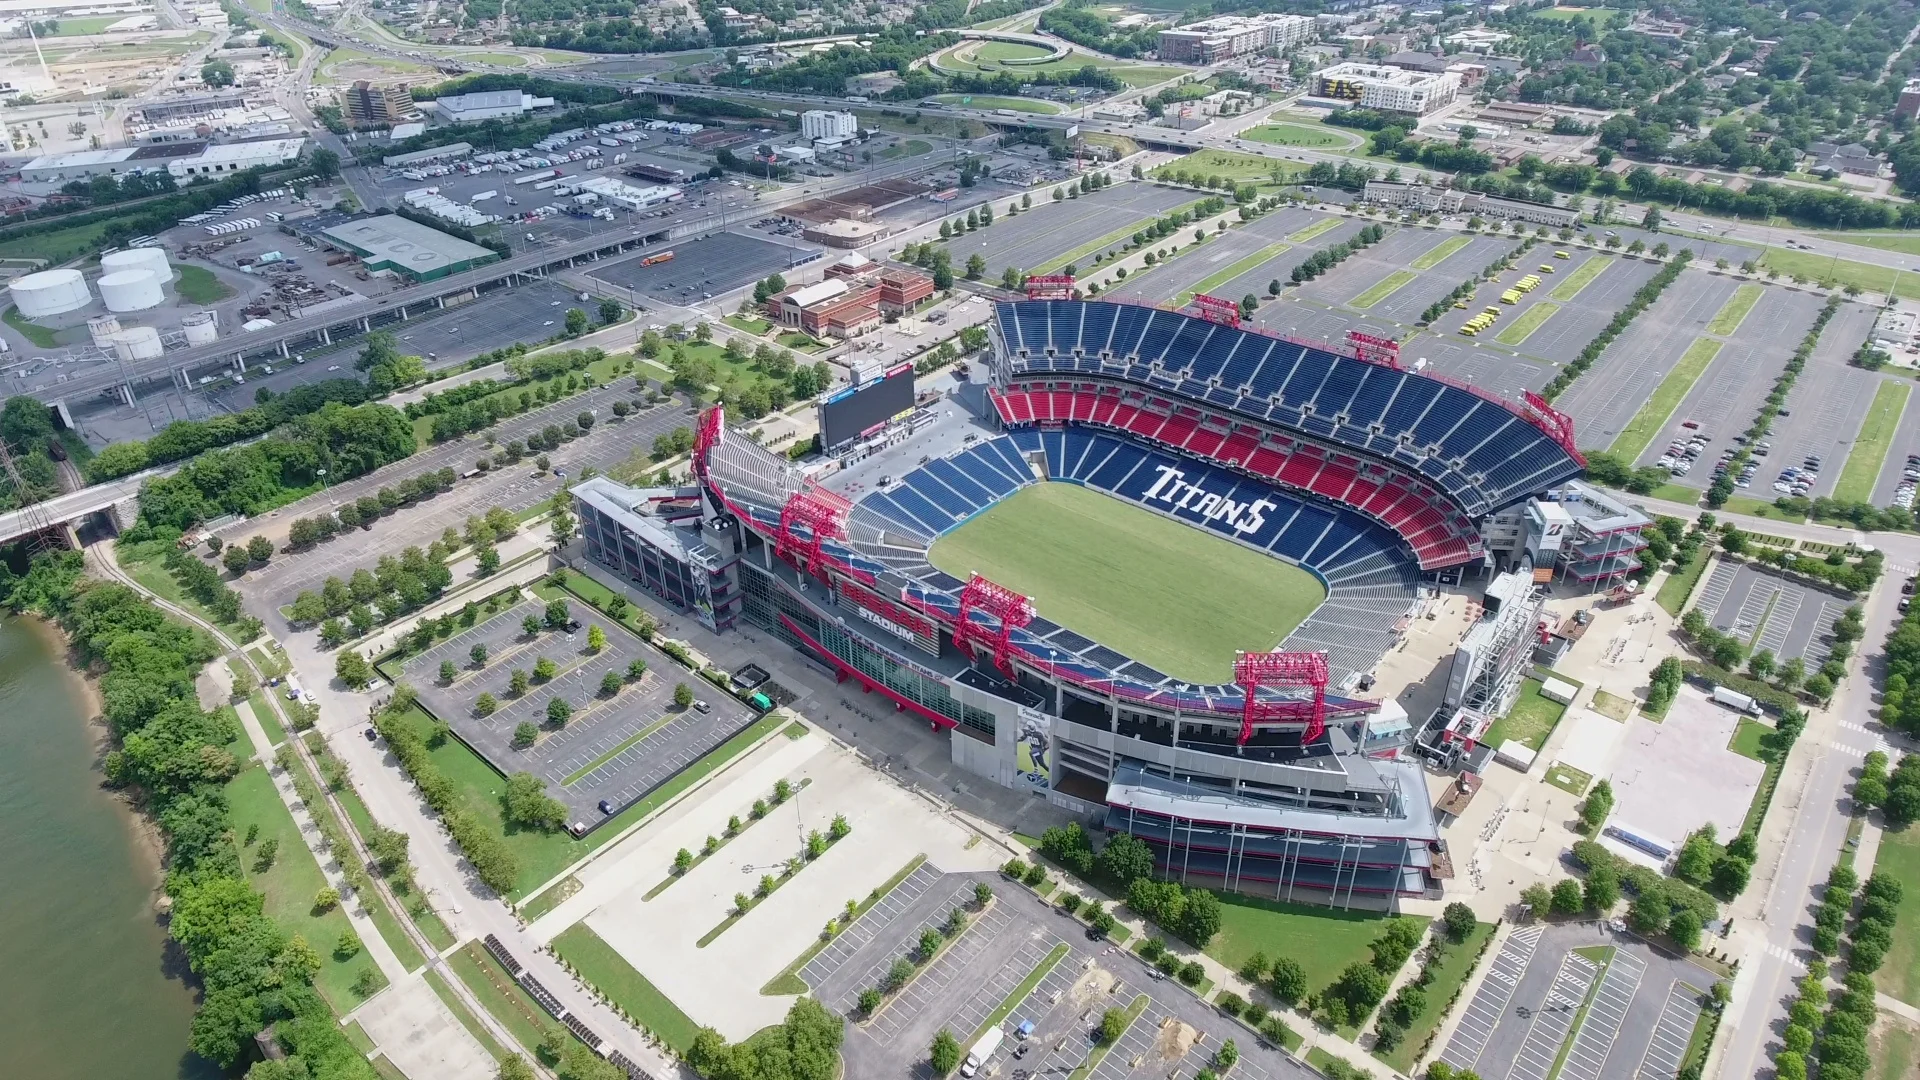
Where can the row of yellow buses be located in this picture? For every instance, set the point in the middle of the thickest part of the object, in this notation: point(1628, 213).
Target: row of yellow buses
point(1480, 322)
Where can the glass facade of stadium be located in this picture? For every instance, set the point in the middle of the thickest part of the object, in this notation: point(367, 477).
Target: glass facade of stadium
point(1344, 823)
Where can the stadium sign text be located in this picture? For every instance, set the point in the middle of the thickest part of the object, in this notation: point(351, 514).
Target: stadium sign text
point(1173, 488)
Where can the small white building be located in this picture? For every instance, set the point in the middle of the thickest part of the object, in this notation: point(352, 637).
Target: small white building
point(821, 124)
point(796, 155)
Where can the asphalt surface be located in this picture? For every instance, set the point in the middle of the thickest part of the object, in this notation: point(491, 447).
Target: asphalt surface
point(711, 265)
point(654, 739)
point(1727, 396)
point(1406, 304)
point(1606, 398)
point(1187, 270)
point(1052, 229)
point(1777, 614)
point(1826, 406)
point(1522, 1016)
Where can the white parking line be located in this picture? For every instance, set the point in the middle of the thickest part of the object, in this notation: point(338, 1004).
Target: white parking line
point(1482, 1014)
point(1667, 1048)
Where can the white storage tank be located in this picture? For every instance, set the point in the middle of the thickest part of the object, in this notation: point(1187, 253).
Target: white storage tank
point(102, 328)
point(137, 343)
point(131, 290)
point(50, 292)
point(202, 327)
point(152, 259)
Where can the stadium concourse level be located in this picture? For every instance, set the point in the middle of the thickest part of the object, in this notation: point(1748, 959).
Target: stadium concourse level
point(886, 536)
point(1480, 453)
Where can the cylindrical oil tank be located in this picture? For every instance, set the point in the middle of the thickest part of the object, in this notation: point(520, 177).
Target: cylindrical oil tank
point(50, 292)
point(137, 343)
point(146, 258)
point(130, 290)
point(202, 327)
point(102, 328)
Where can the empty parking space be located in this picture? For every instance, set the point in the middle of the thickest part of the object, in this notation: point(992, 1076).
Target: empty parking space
point(877, 920)
point(530, 312)
point(1056, 231)
point(1729, 393)
point(838, 982)
point(1230, 264)
point(702, 267)
point(613, 748)
point(1825, 408)
point(1489, 1004)
point(1406, 304)
point(1550, 1023)
point(1490, 368)
point(1605, 1015)
point(1605, 399)
point(1667, 1046)
point(949, 977)
point(1772, 612)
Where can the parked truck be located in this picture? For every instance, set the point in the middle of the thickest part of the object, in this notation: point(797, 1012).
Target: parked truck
point(978, 1054)
point(1734, 699)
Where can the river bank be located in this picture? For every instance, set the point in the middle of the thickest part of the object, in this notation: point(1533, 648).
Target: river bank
point(81, 912)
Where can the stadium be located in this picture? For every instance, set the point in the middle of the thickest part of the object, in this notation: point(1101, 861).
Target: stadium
point(1145, 563)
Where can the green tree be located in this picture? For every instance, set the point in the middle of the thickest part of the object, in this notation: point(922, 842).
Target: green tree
point(682, 695)
point(945, 1053)
point(478, 654)
point(544, 669)
point(596, 639)
point(1113, 1024)
point(610, 683)
point(524, 734)
point(558, 711)
point(486, 704)
point(1458, 921)
point(517, 684)
point(577, 322)
point(448, 672)
point(217, 74)
point(526, 804)
point(353, 670)
point(1287, 982)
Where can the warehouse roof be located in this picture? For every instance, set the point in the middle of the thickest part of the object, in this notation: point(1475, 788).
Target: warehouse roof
point(404, 244)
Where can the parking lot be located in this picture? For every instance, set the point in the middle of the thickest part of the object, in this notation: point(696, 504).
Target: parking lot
point(1776, 613)
point(515, 489)
point(704, 267)
point(1639, 1008)
point(1191, 268)
point(1823, 411)
point(1175, 1033)
point(1398, 252)
point(1729, 393)
point(615, 748)
point(1605, 399)
point(1053, 229)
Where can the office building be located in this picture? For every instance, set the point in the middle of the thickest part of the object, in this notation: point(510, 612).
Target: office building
point(1909, 104)
point(378, 106)
point(821, 124)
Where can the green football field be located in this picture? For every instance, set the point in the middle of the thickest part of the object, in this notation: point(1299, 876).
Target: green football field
point(1163, 592)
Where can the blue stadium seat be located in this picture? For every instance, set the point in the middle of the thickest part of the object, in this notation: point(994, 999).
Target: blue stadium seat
point(950, 474)
point(1158, 335)
point(1128, 326)
point(1096, 330)
point(1371, 399)
point(1033, 327)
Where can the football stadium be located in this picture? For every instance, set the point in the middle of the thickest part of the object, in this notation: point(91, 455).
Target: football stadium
point(1147, 563)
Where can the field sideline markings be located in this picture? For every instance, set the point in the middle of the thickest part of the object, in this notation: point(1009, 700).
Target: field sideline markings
point(1439, 253)
point(1221, 277)
point(1054, 264)
point(1639, 433)
point(1382, 289)
point(1324, 225)
point(1581, 277)
point(1734, 311)
point(1874, 442)
point(1530, 320)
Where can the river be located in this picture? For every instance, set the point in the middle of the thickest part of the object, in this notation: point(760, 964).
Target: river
point(88, 987)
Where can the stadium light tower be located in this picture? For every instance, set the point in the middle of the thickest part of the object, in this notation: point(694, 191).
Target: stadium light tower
point(1283, 670)
point(1009, 610)
point(823, 514)
point(1050, 287)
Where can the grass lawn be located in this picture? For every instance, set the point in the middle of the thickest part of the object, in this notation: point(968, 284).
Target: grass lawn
point(146, 563)
point(1296, 135)
point(799, 342)
point(607, 970)
point(1899, 858)
point(1010, 50)
point(1240, 168)
point(1530, 320)
point(34, 332)
point(1221, 277)
point(1652, 418)
point(1449, 975)
point(989, 101)
point(58, 245)
point(1615, 708)
point(197, 285)
point(1439, 253)
point(1602, 17)
point(291, 883)
point(1325, 225)
point(1382, 289)
point(544, 855)
point(751, 326)
point(1746, 738)
point(1190, 624)
point(1569, 779)
point(1904, 243)
point(1582, 276)
point(1875, 280)
point(1530, 721)
point(1679, 584)
point(1323, 940)
point(1897, 1047)
point(1870, 447)
point(1734, 311)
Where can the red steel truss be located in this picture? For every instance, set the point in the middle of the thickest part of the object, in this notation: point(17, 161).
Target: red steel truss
point(1050, 287)
point(1557, 425)
point(1010, 610)
point(1375, 350)
point(1216, 310)
point(825, 516)
point(707, 436)
point(1283, 670)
